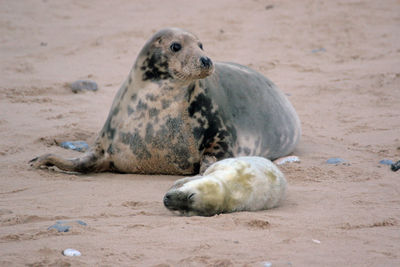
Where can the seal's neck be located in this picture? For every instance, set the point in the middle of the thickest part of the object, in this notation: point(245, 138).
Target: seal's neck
point(152, 67)
point(163, 87)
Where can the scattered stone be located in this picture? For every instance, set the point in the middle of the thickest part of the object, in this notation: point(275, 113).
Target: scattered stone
point(80, 146)
point(335, 161)
point(316, 241)
point(395, 166)
point(64, 226)
point(285, 160)
point(60, 228)
point(318, 50)
point(386, 162)
point(267, 264)
point(70, 252)
point(269, 7)
point(82, 85)
point(76, 221)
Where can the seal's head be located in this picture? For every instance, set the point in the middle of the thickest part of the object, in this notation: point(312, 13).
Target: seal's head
point(173, 54)
point(196, 197)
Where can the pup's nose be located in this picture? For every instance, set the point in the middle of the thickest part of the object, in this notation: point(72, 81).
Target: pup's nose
point(205, 62)
point(167, 199)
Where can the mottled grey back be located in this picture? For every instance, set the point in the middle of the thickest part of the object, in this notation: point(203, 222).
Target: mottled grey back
point(259, 111)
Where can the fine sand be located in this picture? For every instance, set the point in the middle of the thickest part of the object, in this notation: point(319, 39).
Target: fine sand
point(339, 64)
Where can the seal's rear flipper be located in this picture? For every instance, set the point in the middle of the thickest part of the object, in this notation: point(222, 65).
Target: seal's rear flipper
point(89, 162)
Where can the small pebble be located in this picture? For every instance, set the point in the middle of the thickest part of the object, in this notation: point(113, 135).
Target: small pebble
point(288, 159)
point(60, 228)
point(80, 146)
point(82, 85)
point(316, 241)
point(64, 226)
point(76, 221)
point(318, 50)
point(335, 161)
point(386, 162)
point(395, 166)
point(267, 264)
point(70, 252)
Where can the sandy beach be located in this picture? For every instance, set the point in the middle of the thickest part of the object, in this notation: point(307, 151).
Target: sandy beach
point(337, 61)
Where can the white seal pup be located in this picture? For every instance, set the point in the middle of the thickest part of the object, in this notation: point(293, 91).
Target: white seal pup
point(178, 112)
point(229, 185)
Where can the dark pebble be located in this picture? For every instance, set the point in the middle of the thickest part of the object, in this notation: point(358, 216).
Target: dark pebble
point(395, 166)
point(83, 85)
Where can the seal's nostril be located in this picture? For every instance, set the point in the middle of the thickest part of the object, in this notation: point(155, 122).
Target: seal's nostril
point(205, 62)
point(166, 200)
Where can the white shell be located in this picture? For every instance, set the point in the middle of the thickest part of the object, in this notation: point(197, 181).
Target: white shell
point(288, 159)
point(70, 252)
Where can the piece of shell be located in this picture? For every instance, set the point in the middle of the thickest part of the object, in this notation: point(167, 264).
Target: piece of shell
point(70, 252)
point(288, 159)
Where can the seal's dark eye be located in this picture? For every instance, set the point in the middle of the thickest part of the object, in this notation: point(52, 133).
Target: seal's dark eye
point(175, 47)
point(201, 46)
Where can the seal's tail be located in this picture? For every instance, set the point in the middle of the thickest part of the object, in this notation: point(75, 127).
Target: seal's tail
point(89, 162)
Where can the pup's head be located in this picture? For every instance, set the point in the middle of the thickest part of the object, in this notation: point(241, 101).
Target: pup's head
point(193, 196)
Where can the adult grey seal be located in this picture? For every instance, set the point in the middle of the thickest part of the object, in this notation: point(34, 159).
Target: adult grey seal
point(229, 185)
point(178, 112)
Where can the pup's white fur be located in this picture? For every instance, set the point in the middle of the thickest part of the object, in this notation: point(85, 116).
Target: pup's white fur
point(234, 184)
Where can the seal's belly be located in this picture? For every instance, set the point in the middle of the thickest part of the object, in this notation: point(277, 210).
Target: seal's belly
point(165, 145)
point(157, 156)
